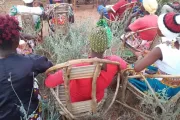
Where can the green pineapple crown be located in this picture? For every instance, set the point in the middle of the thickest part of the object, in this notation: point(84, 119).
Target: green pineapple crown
point(98, 40)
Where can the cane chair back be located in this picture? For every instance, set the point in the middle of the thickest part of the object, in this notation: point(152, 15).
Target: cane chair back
point(71, 72)
point(58, 17)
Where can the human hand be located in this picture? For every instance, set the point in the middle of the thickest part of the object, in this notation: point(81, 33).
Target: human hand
point(138, 54)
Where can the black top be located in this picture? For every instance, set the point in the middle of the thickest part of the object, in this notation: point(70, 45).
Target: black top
point(21, 70)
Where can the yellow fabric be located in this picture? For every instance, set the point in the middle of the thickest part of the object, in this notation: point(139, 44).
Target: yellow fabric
point(150, 6)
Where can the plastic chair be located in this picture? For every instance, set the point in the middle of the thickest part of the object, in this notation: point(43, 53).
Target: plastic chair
point(128, 87)
point(62, 93)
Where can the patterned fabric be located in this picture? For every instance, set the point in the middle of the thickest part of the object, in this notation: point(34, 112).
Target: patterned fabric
point(98, 40)
point(61, 19)
point(135, 42)
point(159, 85)
point(156, 85)
point(103, 23)
point(36, 115)
point(26, 47)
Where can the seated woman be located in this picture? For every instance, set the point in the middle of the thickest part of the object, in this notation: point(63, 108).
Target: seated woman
point(113, 11)
point(171, 7)
point(31, 7)
point(144, 38)
point(18, 100)
point(80, 90)
point(165, 57)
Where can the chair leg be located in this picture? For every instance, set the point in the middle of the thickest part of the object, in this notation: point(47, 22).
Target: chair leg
point(64, 118)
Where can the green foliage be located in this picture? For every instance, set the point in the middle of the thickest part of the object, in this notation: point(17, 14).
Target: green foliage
point(49, 111)
point(172, 107)
point(61, 48)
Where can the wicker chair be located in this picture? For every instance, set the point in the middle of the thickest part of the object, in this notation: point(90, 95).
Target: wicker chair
point(27, 23)
point(58, 17)
point(128, 87)
point(28, 26)
point(124, 16)
point(125, 46)
point(62, 95)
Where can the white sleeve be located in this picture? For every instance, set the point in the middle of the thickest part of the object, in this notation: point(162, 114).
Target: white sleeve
point(169, 55)
point(37, 10)
point(33, 10)
point(165, 52)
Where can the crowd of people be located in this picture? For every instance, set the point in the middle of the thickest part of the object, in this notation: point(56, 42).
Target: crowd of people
point(20, 98)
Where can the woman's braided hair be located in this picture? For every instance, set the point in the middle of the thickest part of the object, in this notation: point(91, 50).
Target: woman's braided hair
point(9, 31)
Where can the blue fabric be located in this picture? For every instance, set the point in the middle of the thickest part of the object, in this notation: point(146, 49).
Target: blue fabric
point(152, 68)
point(131, 1)
point(51, 1)
point(156, 85)
point(101, 9)
point(23, 69)
point(137, 9)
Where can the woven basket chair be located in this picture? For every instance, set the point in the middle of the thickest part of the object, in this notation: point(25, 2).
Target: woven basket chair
point(59, 12)
point(132, 35)
point(128, 87)
point(26, 21)
point(62, 95)
point(125, 15)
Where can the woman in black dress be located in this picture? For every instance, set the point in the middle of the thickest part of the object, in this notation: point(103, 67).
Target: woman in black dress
point(18, 100)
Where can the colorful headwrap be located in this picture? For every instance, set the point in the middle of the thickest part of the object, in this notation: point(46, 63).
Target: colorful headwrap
point(169, 25)
point(103, 23)
point(150, 6)
point(98, 40)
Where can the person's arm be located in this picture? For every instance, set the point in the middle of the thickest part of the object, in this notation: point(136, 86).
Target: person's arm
point(55, 79)
point(107, 76)
point(149, 59)
point(40, 63)
point(127, 28)
point(25, 36)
